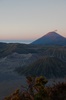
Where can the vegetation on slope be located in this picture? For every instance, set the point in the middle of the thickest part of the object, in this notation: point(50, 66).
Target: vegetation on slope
point(37, 90)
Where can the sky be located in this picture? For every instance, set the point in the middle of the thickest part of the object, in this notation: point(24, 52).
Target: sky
point(27, 20)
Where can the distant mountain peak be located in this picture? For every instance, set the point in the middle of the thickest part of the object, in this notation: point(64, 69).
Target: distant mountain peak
point(53, 33)
point(51, 38)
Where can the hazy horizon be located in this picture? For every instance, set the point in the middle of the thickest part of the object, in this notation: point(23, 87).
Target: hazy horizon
point(21, 41)
point(28, 20)
point(17, 41)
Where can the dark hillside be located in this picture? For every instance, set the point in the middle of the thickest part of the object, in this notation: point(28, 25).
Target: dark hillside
point(50, 67)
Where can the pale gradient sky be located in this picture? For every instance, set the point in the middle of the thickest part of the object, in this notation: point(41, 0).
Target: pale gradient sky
point(28, 20)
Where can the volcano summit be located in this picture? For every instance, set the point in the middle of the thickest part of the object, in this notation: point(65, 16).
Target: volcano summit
point(51, 38)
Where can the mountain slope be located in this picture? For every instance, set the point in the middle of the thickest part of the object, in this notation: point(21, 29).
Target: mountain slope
point(50, 67)
point(51, 38)
point(9, 48)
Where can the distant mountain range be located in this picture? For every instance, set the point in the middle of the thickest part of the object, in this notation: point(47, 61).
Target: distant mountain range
point(48, 59)
point(51, 38)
